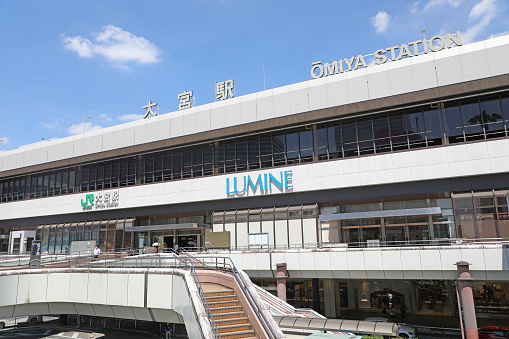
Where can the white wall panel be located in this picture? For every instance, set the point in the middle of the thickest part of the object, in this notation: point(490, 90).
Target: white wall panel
point(281, 101)
point(230, 227)
point(299, 101)
point(357, 86)
point(474, 65)
point(423, 72)
point(281, 231)
point(232, 113)
point(449, 69)
point(264, 107)
point(203, 121)
point(295, 231)
point(317, 94)
point(379, 85)
point(337, 93)
point(400, 77)
point(248, 108)
point(497, 56)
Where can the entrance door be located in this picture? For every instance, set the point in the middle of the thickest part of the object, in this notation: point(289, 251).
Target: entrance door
point(190, 242)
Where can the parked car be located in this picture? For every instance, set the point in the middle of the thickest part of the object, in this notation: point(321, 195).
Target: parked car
point(31, 321)
point(404, 331)
point(493, 332)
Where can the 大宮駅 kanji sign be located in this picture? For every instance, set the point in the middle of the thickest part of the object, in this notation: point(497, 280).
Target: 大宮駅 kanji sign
point(434, 44)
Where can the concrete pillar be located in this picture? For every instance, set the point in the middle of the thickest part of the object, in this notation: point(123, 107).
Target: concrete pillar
point(467, 300)
point(315, 285)
point(331, 298)
point(281, 275)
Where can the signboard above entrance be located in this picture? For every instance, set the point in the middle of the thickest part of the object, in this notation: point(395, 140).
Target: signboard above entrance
point(435, 44)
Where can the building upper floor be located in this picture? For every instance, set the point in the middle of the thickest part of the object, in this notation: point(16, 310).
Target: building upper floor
point(432, 72)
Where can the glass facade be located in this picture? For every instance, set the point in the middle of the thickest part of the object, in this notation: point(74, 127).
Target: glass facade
point(483, 117)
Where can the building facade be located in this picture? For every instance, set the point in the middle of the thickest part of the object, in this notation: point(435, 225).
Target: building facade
point(410, 153)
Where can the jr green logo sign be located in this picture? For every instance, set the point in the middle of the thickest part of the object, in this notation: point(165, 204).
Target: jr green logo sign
point(88, 203)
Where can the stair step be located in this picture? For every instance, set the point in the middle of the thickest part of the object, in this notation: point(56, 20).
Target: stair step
point(216, 304)
point(228, 315)
point(231, 321)
point(234, 328)
point(226, 309)
point(221, 298)
point(218, 293)
point(239, 334)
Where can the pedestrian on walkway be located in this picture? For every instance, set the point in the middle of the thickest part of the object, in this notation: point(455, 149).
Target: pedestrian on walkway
point(168, 331)
point(392, 313)
point(403, 310)
point(96, 252)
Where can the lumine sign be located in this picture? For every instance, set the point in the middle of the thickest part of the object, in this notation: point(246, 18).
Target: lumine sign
point(435, 44)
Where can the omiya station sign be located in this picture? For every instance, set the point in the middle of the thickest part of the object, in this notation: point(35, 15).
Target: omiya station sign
point(414, 48)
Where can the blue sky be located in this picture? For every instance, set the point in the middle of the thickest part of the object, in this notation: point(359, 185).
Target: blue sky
point(64, 60)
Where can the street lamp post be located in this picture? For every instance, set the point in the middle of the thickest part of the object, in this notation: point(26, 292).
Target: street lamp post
point(84, 119)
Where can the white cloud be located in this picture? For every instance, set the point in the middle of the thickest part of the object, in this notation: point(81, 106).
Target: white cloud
point(104, 117)
point(4, 140)
point(439, 3)
point(381, 21)
point(116, 45)
point(78, 128)
point(479, 18)
point(130, 117)
point(50, 125)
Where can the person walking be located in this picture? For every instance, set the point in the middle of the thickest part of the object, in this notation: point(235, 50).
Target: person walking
point(392, 313)
point(96, 252)
point(176, 249)
point(168, 331)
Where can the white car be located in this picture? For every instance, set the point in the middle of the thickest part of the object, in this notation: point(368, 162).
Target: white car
point(32, 321)
point(404, 331)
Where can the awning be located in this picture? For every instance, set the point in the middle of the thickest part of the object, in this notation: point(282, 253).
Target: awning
point(160, 227)
point(382, 214)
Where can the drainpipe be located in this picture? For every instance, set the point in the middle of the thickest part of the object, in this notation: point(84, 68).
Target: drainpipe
point(467, 300)
point(281, 275)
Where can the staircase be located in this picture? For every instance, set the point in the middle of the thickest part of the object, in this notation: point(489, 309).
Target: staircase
point(231, 320)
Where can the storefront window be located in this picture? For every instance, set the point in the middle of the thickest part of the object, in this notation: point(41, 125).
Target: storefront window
point(432, 297)
point(491, 298)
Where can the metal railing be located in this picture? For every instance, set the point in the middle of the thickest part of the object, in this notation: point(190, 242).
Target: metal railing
point(188, 261)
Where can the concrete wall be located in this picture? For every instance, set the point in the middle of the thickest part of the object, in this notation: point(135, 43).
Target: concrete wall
point(479, 60)
point(171, 295)
point(454, 161)
point(489, 262)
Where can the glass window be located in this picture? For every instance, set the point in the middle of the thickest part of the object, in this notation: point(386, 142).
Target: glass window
point(472, 119)
point(241, 155)
point(453, 124)
point(398, 131)
point(292, 147)
point(349, 134)
point(197, 162)
point(149, 169)
point(505, 110)
point(229, 148)
point(107, 175)
point(131, 172)
point(208, 160)
point(491, 113)
point(51, 188)
point(335, 142)
point(123, 173)
point(416, 128)
point(365, 136)
point(177, 165)
point(187, 161)
point(167, 165)
point(278, 144)
point(320, 142)
point(382, 134)
point(115, 174)
point(306, 145)
point(266, 151)
point(433, 123)
point(254, 153)
point(465, 223)
point(219, 156)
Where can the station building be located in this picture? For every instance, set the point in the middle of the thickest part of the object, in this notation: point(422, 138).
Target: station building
point(408, 153)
